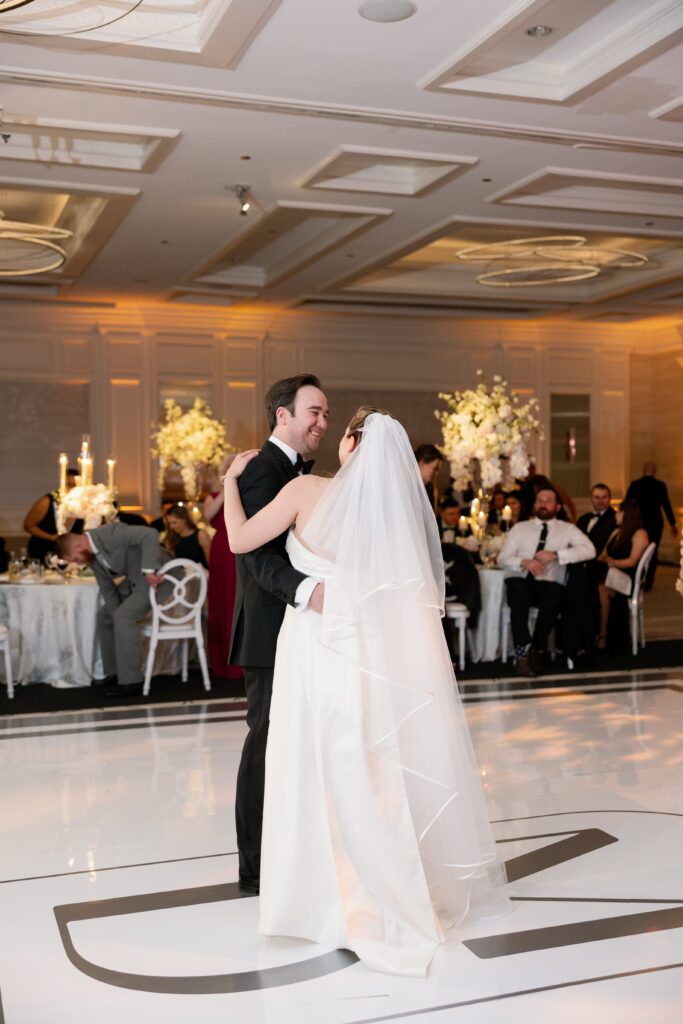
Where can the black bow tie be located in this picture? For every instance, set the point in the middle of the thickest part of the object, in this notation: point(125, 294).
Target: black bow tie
point(302, 466)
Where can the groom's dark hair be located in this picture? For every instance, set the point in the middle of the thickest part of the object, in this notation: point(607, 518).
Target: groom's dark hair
point(282, 394)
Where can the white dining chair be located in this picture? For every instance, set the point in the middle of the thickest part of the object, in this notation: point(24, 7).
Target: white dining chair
point(179, 617)
point(459, 613)
point(4, 647)
point(635, 601)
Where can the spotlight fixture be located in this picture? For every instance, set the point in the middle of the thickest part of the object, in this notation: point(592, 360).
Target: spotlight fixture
point(387, 10)
point(243, 197)
point(539, 31)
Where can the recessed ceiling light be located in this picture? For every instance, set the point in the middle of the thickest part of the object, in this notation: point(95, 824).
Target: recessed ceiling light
point(538, 31)
point(387, 10)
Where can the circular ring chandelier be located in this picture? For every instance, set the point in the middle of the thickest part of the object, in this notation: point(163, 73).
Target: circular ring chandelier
point(536, 276)
point(546, 260)
point(61, 17)
point(27, 249)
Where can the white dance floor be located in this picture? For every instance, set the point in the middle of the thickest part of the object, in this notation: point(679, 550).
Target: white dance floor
point(117, 872)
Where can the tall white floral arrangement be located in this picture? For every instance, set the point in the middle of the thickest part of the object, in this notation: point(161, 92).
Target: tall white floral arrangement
point(489, 425)
point(190, 441)
point(94, 503)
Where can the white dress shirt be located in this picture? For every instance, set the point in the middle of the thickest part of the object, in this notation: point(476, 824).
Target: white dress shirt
point(565, 539)
point(307, 586)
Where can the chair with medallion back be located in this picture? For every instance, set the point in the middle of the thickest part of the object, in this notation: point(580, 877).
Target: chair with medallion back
point(178, 615)
point(635, 601)
point(4, 647)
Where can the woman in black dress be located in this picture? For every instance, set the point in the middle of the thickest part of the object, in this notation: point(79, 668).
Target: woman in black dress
point(623, 551)
point(183, 539)
point(41, 523)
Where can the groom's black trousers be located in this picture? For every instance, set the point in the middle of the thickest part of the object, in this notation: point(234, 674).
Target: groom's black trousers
point(258, 683)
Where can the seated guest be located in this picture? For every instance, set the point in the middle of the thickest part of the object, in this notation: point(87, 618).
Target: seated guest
point(495, 516)
point(129, 518)
point(134, 553)
point(429, 460)
point(514, 501)
point(462, 584)
point(536, 482)
point(41, 522)
point(159, 524)
point(183, 539)
point(450, 515)
point(538, 552)
point(599, 524)
point(623, 550)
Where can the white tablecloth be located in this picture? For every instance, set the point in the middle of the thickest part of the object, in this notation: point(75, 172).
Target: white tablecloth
point(53, 633)
point(484, 641)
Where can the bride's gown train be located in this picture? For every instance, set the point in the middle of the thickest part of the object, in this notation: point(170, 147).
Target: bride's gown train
point(368, 843)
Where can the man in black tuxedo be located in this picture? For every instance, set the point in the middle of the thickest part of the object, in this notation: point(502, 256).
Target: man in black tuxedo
point(266, 583)
point(583, 601)
point(599, 524)
point(652, 497)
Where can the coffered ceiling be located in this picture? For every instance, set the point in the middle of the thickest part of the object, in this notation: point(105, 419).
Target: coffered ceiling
point(375, 154)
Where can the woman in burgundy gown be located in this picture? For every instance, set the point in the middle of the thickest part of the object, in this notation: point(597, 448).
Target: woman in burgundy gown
point(222, 583)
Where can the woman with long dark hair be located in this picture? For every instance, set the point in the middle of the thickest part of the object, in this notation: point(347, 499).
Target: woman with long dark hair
point(623, 551)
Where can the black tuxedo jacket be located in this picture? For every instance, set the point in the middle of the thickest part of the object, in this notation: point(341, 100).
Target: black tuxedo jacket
point(603, 529)
point(266, 581)
point(652, 498)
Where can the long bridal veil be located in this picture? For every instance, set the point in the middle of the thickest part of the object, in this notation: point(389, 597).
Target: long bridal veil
point(382, 614)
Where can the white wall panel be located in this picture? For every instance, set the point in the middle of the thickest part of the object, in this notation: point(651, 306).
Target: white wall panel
point(245, 421)
point(129, 439)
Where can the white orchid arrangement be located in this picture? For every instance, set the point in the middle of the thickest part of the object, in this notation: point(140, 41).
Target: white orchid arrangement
point(190, 441)
point(491, 426)
point(93, 503)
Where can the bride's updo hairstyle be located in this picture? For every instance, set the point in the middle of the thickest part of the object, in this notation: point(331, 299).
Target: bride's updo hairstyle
point(355, 427)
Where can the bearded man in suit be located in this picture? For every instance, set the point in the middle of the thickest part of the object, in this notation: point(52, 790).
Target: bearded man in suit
point(125, 560)
point(297, 414)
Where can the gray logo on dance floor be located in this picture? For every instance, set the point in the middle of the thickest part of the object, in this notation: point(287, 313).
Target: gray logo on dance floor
point(239, 981)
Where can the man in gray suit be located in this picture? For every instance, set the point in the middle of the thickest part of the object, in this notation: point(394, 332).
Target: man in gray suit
point(115, 551)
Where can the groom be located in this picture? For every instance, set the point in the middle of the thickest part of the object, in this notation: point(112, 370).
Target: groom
point(266, 582)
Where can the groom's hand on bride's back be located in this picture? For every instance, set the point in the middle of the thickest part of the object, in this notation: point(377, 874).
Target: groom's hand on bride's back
point(317, 599)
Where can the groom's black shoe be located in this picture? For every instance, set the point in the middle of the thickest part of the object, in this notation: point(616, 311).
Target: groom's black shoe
point(125, 690)
point(248, 887)
point(107, 681)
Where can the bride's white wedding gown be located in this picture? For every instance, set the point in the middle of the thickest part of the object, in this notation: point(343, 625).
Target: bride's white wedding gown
point(345, 861)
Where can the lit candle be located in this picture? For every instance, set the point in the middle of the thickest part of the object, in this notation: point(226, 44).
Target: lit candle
point(474, 508)
point(507, 514)
point(111, 466)
point(463, 523)
point(481, 519)
point(63, 460)
point(87, 471)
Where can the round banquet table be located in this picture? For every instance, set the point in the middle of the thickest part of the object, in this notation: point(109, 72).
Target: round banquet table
point(53, 633)
point(484, 641)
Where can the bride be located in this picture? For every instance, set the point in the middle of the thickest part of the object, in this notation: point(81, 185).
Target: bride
point(376, 836)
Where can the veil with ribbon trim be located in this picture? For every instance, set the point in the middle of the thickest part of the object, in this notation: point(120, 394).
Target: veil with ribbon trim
point(382, 614)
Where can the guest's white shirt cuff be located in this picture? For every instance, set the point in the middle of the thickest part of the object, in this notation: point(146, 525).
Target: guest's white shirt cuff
point(303, 593)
